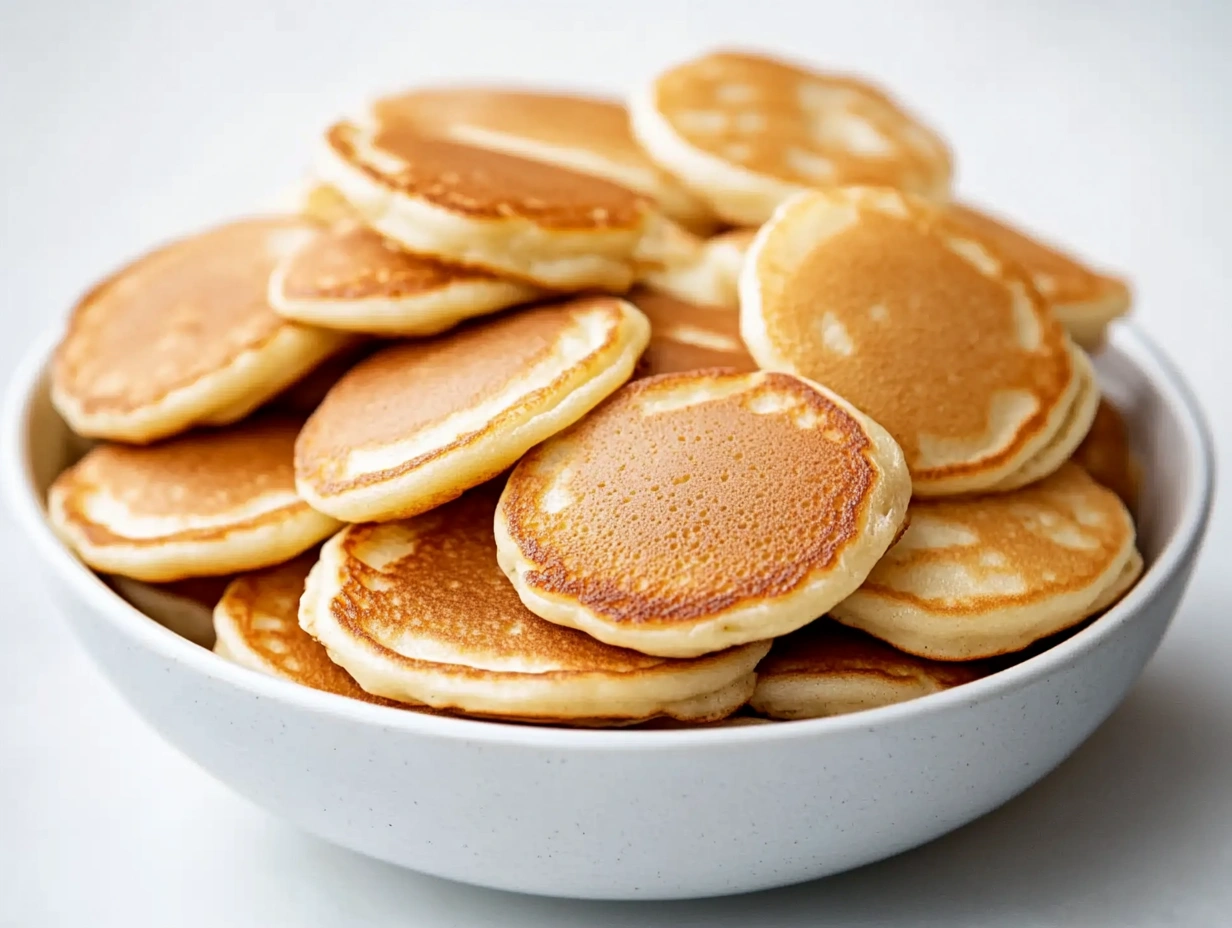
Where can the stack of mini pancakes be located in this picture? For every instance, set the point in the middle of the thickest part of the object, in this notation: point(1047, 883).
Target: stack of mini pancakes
point(539, 408)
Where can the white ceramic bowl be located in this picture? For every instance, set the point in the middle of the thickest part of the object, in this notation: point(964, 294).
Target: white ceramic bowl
point(639, 814)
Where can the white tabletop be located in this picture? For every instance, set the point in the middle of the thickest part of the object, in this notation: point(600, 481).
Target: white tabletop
point(123, 123)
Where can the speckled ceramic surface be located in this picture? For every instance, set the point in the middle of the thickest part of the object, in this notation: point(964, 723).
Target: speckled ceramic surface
point(639, 814)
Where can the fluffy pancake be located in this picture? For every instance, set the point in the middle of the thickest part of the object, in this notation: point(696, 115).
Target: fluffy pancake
point(747, 131)
point(827, 669)
point(185, 607)
point(1105, 454)
point(351, 278)
point(979, 576)
point(417, 610)
point(880, 297)
point(693, 512)
point(185, 336)
point(417, 423)
point(687, 336)
point(256, 622)
point(585, 134)
point(512, 216)
point(1083, 299)
point(203, 504)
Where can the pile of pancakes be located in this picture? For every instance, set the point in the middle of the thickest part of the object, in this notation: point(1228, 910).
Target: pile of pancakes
point(709, 409)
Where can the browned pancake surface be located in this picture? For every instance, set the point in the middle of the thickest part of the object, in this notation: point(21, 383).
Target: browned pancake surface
point(1105, 454)
point(686, 337)
point(351, 262)
point(436, 578)
point(690, 511)
point(411, 386)
point(175, 316)
point(198, 475)
point(480, 183)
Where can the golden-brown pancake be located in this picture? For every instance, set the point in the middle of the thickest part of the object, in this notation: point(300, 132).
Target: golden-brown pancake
point(880, 297)
point(524, 219)
point(417, 610)
point(185, 336)
point(979, 576)
point(695, 511)
point(352, 278)
point(686, 336)
point(419, 422)
point(1106, 455)
point(585, 134)
point(256, 622)
point(747, 131)
point(203, 504)
point(186, 607)
point(828, 669)
point(1083, 299)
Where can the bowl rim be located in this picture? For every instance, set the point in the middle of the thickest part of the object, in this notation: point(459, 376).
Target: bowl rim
point(19, 489)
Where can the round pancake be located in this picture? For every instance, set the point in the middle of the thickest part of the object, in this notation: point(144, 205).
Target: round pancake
point(986, 575)
point(1105, 454)
point(418, 610)
point(524, 219)
point(185, 607)
point(185, 336)
point(256, 622)
point(417, 423)
point(203, 504)
point(351, 278)
point(687, 336)
point(693, 512)
point(747, 131)
point(1067, 438)
point(585, 134)
point(875, 294)
point(1083, 299)
point(828, 669)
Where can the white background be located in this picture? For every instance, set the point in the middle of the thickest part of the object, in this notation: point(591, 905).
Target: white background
point(1105, 125)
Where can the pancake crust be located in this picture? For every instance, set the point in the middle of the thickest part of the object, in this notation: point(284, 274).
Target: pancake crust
point(696, 511)
point(877, 295)
point(1083, 299)
point(980, 576)
point(1105, 454)
point(351, 278)
point(521, 218)
point(257, 625)
point(586, 134)
point(685, 336)
point(748, 131)
point(202, 504)
point(828, 669)
point(418, 423)
point(419, 610)
point(185, 336)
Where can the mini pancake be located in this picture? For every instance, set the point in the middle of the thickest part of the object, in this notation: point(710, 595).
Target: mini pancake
point(417, 423)
point(256, 622)
point(1083, 299)
point(185, 607)
point(585, 134)
point(746, 132)
point(688, 336)
point(185, 336)
point(1105, 454)
point(696, 511)
point(203, 504)
point(828, 669)
point(877, 295)
point(351, 278)
point(524, 219)
point(417, 610)
point(986, 575)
